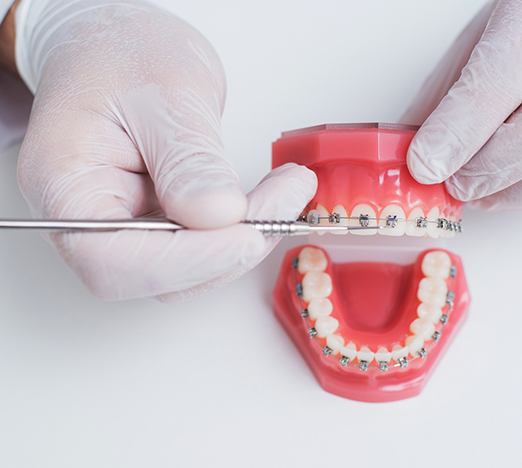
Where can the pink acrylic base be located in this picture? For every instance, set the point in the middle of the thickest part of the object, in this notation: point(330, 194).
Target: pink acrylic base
point(374, 385)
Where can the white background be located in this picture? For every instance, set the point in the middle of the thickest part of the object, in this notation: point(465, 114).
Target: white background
point(216, 382)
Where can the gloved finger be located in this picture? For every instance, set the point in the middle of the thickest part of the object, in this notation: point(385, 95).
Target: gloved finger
point(282, 194)
point(507, 199)
point(495, 167)
point(177, 131)
point(487, 92)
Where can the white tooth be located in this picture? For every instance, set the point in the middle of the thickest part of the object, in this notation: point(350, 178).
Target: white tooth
point(316, 285)
point(367, 210)
point(335, 343)
point(429, 312)
point(433, 216)
point(422, 328)
point(383, 354)
point(436, 264)
point(365, 354)
point(400, 228)
point(324, 215)
point(350, 351)
point(319, 308)
point(399, 351)
point(341, 211)
point(326, 326)
point(411, 225)
point(311, 259)
point(414, 343)
point(432, 291)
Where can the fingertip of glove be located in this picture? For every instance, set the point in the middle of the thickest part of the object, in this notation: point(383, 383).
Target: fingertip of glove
point(210, 208)
point(421, 166)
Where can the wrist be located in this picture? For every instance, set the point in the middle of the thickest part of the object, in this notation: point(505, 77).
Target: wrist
point(7, 41)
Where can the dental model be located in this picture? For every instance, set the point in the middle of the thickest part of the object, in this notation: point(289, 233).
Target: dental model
point(370, 330)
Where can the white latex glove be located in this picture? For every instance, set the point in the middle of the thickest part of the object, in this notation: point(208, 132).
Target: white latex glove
point(473, 139)
point(126, 122)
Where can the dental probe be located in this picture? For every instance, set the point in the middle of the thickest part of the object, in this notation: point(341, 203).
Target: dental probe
point(268, 228)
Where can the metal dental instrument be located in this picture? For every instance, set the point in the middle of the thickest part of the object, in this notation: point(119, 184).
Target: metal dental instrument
point(268, 228)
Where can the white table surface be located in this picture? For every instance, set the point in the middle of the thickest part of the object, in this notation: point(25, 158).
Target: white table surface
point(216, 382)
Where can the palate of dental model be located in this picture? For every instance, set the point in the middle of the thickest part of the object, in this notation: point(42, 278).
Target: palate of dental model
point(392, 219)
point(433, 296)
point(414, 227)
point(436, 264)
point(363, 215)
point(311, 259)
point(316, 285)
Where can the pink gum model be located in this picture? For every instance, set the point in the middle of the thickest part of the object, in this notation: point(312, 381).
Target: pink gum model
point(370, 331)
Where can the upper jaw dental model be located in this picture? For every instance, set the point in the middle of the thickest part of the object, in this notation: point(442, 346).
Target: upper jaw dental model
point(373, 310)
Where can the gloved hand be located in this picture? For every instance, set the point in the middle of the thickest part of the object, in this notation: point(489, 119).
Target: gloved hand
point(126, 122)
point(473, 139)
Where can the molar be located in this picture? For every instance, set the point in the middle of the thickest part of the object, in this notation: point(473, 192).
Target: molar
point(436, 264)
point(363, 210)
point(400, 226)
point(411, 226)
point(326, 326)
point(311, 259)
point(316, 285)
point(319, 308)
point(432, 291)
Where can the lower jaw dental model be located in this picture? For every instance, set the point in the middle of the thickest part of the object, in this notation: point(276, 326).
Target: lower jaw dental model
point(371, 311)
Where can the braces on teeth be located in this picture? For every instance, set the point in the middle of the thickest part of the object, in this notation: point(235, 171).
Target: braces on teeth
point(427, 328)
point(391, 221)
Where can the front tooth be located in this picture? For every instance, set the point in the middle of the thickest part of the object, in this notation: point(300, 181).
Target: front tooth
point(436, 264)
point(335, 343)
point(414, 343)
point(341, 211)
point(422, 328)
point(359, 210)
point(316, 285)
point(326, 326)
point(365, 354)
point(400, 225)
point(429, 312)
point(432, 291)
point(319, 308)
point(323, 217)
point(411, 225)
point(311, 259)
point(399, 351)
point(383, 354)
point(433, 216)
point(350, 351)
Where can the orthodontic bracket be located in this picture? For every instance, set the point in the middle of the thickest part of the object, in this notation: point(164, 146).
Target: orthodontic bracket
point(344, 361)
point(392, 221)
point(327, 351)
